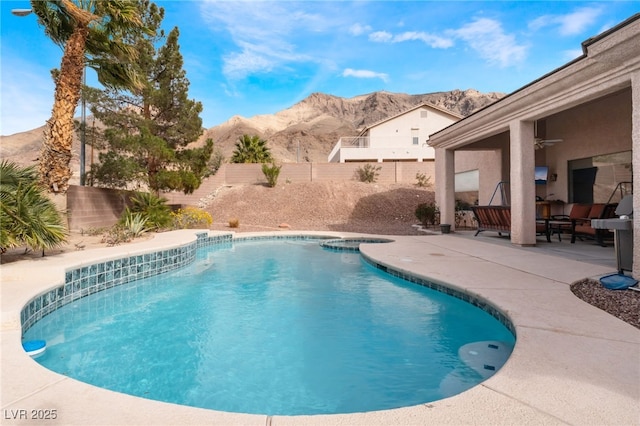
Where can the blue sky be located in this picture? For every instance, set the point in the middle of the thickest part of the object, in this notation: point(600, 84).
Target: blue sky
point(250, 58)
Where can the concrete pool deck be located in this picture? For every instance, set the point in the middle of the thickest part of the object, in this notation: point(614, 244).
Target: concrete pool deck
point(572, 363)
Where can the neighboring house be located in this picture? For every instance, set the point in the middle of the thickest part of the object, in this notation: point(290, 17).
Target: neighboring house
point(400, 138)
point(587, 111)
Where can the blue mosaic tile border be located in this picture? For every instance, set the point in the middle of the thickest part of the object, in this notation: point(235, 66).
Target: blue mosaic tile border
point(351, 245)
point(298, 237)
point(90, 279)
point(471, 299)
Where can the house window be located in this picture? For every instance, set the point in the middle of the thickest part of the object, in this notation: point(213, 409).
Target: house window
point(415, 135)
point(467, 185)
point(597, 179)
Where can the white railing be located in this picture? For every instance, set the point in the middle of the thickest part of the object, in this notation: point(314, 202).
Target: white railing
point(348, 142)
point(354, 142)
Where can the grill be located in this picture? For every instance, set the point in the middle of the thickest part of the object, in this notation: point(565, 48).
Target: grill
point(623, 232)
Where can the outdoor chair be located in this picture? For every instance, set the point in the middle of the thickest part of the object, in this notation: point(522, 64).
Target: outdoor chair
point(581, 227)
point(564, 223)
point(542, 228)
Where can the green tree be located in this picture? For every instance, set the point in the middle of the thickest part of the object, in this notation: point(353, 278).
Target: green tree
point(27, 216)
point(251, 149)
point(92, 32)
point(148, 131)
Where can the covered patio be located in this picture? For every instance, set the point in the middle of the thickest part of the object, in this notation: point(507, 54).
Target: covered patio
point(582, 119)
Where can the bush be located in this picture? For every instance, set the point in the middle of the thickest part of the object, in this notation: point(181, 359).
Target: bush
point(234, 223)
point(271, 172)
point(131, 225)
point(424, 181)
point(191, 218)
point(427, 213)
point(117, 234)
point(368, 173)
point(153, 208)
point(27, 216)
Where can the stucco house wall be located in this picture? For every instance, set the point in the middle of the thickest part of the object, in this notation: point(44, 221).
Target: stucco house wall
point(393, 139)
point(400, 131)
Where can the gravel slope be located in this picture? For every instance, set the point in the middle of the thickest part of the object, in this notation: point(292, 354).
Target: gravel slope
point(349, 206)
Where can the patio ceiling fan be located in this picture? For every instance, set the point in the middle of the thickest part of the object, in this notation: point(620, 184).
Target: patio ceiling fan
point(541, 143)
point(540, 140)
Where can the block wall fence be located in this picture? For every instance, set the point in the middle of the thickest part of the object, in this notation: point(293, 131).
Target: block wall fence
point(90, 207)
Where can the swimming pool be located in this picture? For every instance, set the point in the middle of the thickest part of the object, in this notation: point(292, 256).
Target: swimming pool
point(259, 328)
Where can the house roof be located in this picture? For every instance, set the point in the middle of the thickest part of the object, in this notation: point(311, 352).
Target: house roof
point(421, 105)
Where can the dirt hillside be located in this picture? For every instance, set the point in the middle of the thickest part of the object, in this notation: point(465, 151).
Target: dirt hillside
point(322, 206)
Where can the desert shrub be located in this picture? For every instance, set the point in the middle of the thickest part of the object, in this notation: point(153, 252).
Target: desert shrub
point(117, 234)
point(234, 222)
point(271, 172)
point(134, 223)
point(427, 213)
point(424, 181)
point(368, 173)
point(93, 231)
point(215, 162)
point(190, 218)
point(131, 225)
point(153, 208)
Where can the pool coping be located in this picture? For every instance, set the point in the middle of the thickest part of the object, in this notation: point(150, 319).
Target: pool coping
point(572, 363)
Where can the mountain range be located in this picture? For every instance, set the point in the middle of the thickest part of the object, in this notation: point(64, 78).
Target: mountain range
point(305, 132)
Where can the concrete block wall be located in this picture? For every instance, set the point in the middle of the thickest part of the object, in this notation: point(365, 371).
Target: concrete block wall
point(89, 207)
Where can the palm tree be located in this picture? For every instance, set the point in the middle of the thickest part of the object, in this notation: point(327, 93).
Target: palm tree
point(94, 32)
point(27, 216)
point(251, 149)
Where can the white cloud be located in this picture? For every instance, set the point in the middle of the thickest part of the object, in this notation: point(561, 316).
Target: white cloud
point(269, 36)
point(358, 29)
point(431, 40)
point(380, 36)
point(487, 37)
point(350, 72)
point(434, 41)
point(569, 24)
point(261, 32)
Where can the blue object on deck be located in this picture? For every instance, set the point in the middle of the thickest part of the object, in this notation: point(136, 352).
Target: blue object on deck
point(618, 281)
point(34, 348)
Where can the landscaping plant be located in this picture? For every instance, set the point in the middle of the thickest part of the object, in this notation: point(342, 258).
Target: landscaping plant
point(251, 149)
point(368, 173)
point(27, 216)
point(424, 181)
point(271, 172)
point(427, 213)
point(153, 208)
point(191, 218)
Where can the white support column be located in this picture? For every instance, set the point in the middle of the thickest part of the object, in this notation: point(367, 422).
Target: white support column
point(635, 147)
point(523, 191)
point(445, 185)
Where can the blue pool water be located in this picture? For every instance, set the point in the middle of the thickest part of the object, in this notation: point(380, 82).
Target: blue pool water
point(275, 327)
